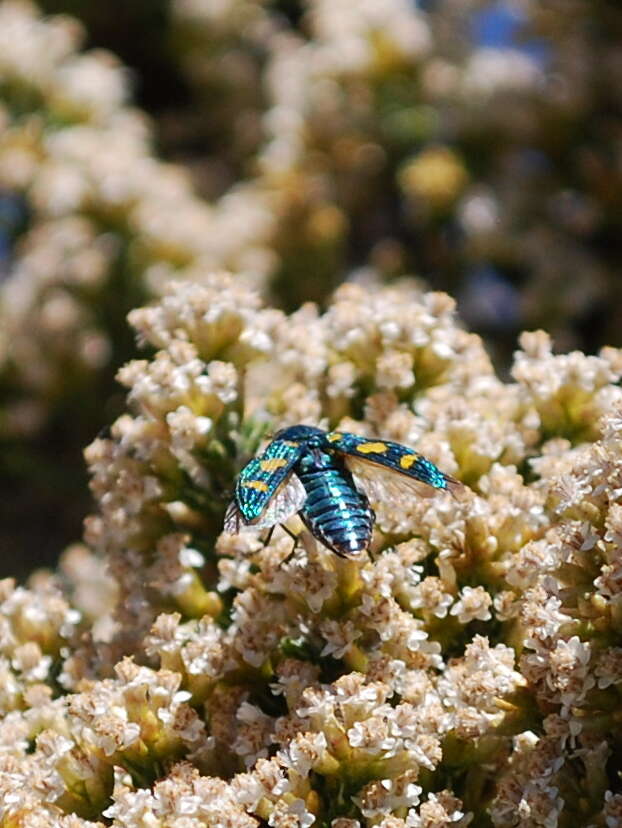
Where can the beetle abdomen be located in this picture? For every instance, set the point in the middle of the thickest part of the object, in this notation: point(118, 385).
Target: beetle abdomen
point(335, 511)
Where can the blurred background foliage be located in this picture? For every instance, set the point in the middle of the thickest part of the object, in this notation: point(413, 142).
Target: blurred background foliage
point(474, 145)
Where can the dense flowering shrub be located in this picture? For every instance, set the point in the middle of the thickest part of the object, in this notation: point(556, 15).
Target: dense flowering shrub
point(341, 135)
point(91, 225)
point(100, 223)
point(328, 139)
point(471, 142)
point(467, 672)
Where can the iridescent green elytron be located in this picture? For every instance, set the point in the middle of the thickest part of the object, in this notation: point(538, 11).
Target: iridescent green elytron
point(326, 477)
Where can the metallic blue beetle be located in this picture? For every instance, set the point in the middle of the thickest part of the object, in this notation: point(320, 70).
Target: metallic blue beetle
point(327, 477)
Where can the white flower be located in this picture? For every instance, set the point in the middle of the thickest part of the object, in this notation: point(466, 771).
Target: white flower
point(474, 603)
point(284, 814)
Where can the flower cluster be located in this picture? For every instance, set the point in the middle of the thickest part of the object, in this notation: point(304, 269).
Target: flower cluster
point(92, 224)
point(36, 627)
point(324, 148)
point(387, 127)
point(98, 222)
point(468, 669)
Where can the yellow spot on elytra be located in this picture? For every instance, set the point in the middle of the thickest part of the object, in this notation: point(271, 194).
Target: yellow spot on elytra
point(407, 460)
point(332, 438)
point(273, 464)
point(368, 448)
point(256, 484)
point(290, 443)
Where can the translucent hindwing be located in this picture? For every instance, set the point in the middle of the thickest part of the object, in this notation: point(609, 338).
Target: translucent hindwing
point(267, 492)
point(385, 469)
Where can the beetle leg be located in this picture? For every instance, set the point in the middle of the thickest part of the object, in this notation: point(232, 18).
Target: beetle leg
point(268, 537)
point(293, 537)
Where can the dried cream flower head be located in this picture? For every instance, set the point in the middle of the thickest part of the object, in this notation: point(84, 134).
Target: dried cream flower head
point(235, 680)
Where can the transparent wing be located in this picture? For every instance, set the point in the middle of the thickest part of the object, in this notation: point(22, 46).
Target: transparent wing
point(234, 522)
point(380, 483)
point(285, 502)
point(384, 469)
